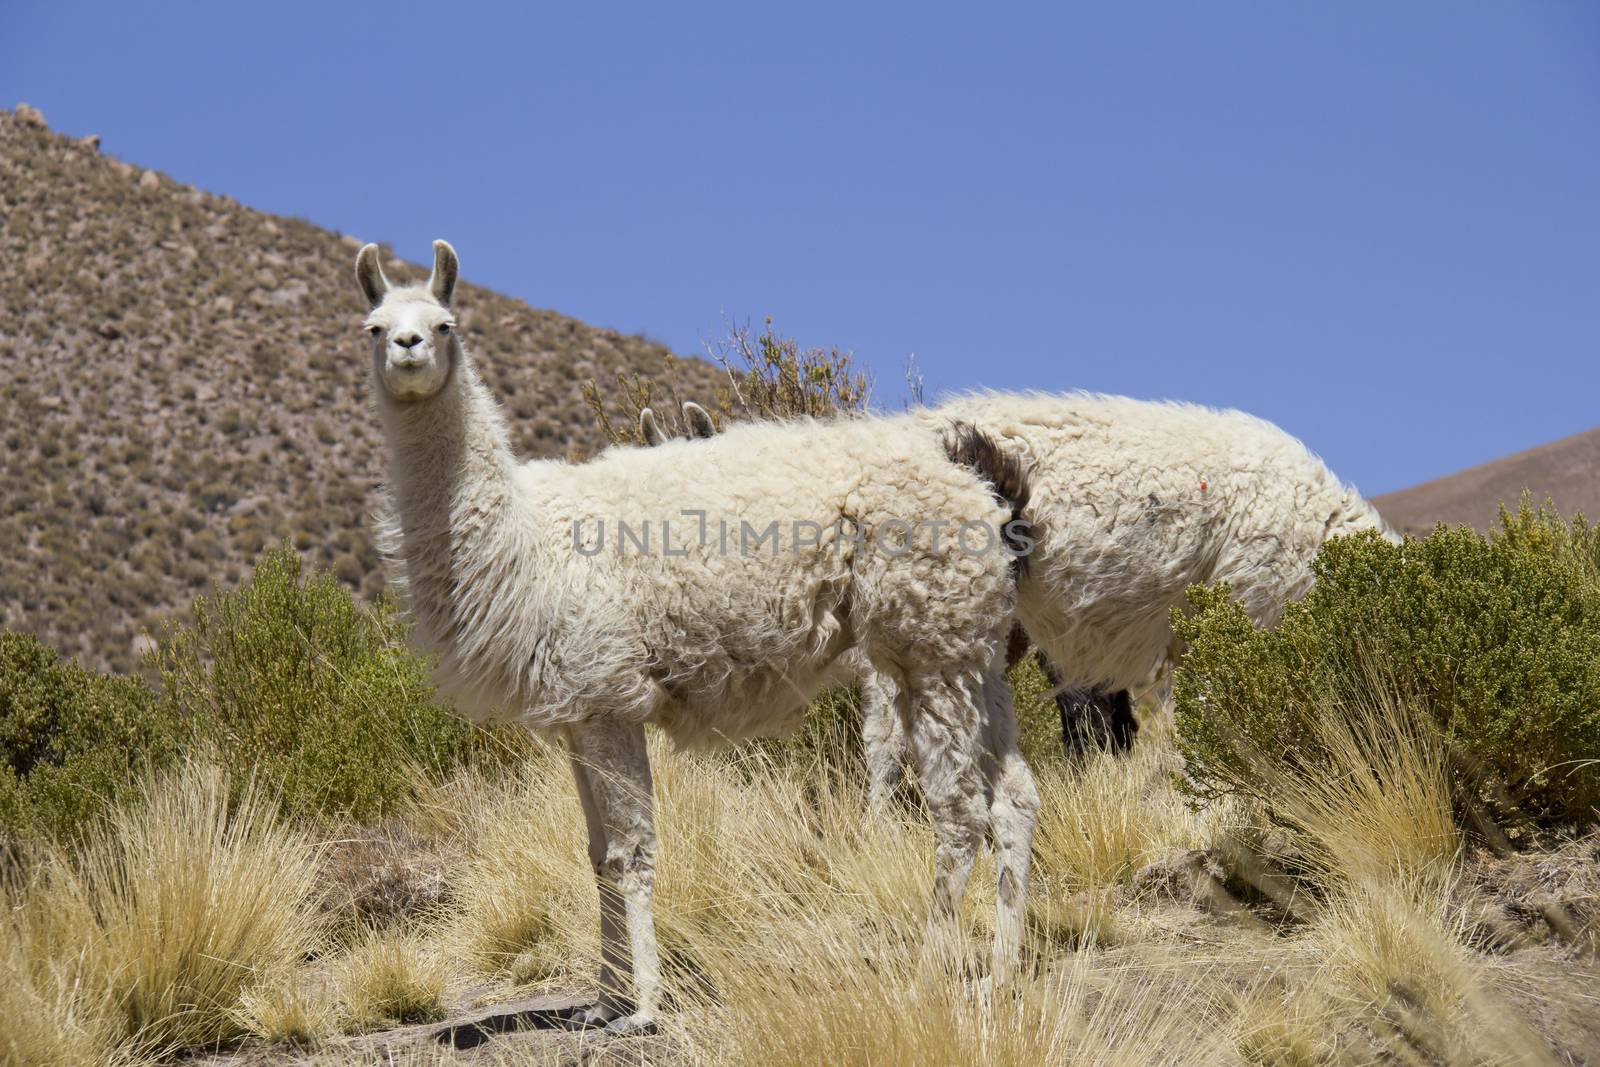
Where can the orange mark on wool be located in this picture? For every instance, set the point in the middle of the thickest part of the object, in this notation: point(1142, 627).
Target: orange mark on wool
point(1203, 485)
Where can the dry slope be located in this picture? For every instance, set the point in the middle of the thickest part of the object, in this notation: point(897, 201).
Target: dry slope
point(1566, 471)
point(184, 381)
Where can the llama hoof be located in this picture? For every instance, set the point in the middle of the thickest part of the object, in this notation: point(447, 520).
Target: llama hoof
point(589, 1017)
point(636, 1025)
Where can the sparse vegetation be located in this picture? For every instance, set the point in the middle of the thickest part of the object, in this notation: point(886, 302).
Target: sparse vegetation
point(791, 926)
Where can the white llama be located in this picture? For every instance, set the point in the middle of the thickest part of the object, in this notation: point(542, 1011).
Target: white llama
point(1134, 501)
point(682, 622)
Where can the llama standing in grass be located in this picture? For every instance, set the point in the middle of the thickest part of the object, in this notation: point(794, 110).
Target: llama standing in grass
point(507, 574)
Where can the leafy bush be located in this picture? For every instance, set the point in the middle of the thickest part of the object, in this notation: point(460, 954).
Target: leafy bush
point(1498, 638)
point(290, 675)
point(1038, 718)
point(70, 740)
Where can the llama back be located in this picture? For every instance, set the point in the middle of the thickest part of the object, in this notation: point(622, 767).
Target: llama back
point(663, 585)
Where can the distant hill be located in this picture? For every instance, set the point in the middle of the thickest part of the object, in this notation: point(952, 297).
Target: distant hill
point(185, 380)
point(1566, 471)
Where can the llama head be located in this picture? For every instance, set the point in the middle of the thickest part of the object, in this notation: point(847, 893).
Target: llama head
point(413, 335)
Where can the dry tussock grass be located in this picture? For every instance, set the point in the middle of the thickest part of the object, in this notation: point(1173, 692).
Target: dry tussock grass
point(391, 979)
point(144, 937)
point(290, 1007)
point(1113, 816)
point(793, 927)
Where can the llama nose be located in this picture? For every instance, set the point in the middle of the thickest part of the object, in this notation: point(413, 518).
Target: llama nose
point(406, 340)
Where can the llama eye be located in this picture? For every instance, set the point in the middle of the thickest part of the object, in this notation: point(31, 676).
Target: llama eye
point(444, 327)
point(375, 330)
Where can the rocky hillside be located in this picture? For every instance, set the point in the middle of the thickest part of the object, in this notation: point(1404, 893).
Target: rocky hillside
point(184, 383)
point(1565, 471)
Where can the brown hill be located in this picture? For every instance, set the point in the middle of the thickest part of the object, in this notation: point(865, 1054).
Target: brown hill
point(1565, 471)
point(184, 382)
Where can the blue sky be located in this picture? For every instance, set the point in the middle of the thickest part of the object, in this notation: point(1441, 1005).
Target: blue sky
point(1376, 223)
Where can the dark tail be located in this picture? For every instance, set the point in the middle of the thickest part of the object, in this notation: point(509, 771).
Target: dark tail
point(972, 448)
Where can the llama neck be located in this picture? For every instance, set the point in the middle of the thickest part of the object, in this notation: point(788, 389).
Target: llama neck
point(451, 489)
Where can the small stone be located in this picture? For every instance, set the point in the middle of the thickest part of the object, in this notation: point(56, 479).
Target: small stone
point(149, 180)
point(352, 240)
point(109, 330)
point(29, 115)
point(50, 403)
point(91, 142)
point(142, 646)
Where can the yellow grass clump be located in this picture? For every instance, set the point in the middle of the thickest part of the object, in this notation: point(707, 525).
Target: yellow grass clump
point(291, 1007)
point(388, 978)
point(143, 938)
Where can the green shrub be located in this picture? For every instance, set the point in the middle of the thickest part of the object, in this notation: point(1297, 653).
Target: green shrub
point(290, 676)
point(1498, 638)
point(71, 742)
point(1038, 719)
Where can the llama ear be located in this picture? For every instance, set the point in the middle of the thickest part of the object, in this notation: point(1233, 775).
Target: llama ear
point(649, 431)
point(442, 282)
point(699, 420)
point(369, 272)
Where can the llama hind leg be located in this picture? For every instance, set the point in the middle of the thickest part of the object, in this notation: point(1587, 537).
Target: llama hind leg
point(943, 719)
point(1013, 812)
point(612, 766)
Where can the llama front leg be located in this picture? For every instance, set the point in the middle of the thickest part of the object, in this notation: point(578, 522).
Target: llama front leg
point(613, 771)
point(615, 960)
